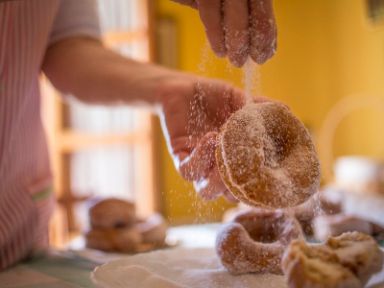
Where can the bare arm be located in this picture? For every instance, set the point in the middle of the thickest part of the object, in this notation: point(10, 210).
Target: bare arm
point(192, 109)
point(83, 67)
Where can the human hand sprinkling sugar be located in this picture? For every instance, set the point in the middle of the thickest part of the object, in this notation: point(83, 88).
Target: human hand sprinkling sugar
point(238, 29)
point(193, 110)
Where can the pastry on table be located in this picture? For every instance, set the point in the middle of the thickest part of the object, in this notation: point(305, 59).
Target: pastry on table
point(116, 228)
point(348, 260)
point(254, 241)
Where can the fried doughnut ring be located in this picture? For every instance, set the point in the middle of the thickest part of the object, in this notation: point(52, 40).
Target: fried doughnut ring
point(255, 241)
point(266, 157)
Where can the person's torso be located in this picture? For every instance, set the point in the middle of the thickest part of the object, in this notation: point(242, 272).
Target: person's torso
point(25, 27)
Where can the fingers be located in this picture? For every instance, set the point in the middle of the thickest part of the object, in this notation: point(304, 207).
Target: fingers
point(238, 29)
point(229, 196)
point(235, 22)
point(237, 100)
point(221, 100)
point(210, 14)
point(198, 164)
point(263, 32)
point(200, 168)
point(211, 186)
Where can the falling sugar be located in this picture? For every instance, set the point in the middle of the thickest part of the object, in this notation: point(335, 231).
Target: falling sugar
point(251, 80)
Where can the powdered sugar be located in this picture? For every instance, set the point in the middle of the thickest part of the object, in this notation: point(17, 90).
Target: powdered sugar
point(251, 80)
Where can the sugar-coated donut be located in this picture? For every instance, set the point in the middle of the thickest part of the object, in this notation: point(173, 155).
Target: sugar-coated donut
point(255, 241)
point(115, 227)
point(348, 260)
point(111, 213)
point(266, 157)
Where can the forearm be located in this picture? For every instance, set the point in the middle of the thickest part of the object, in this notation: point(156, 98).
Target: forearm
point(93, 74)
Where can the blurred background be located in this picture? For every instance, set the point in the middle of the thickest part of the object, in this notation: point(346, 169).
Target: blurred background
point(329, 68)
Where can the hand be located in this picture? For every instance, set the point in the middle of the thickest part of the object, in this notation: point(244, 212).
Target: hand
point(193, 110)
point(238, 28)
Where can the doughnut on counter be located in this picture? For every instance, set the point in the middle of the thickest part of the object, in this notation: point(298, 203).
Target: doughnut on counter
point(254, 241)
point(116, 228)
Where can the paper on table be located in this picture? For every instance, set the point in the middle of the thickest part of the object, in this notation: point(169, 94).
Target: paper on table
point(182, 267)
point(185, 267)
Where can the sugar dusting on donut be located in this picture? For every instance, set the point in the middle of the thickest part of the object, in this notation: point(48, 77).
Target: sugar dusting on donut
point(255, 241)
point(266, 157)
point(240, 254)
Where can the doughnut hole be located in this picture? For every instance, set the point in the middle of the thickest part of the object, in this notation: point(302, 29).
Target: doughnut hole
point(269, 226)
point(260, 227)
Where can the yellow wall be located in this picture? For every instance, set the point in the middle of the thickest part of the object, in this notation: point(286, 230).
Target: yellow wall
point(359, 69)
point(327, 50)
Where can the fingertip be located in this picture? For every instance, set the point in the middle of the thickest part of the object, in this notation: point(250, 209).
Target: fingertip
point(211, 187)
point(238, 60)
point(211, 16)
point(229, 197)
point(202, 188)
point(264, 31)
point(219, 49)
point(260, 56)
point(236, 30)
point(199, 163)
point(238, 99)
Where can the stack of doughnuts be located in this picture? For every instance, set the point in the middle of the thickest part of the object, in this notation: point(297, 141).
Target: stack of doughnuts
point(267, 159)
point(116, 228)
